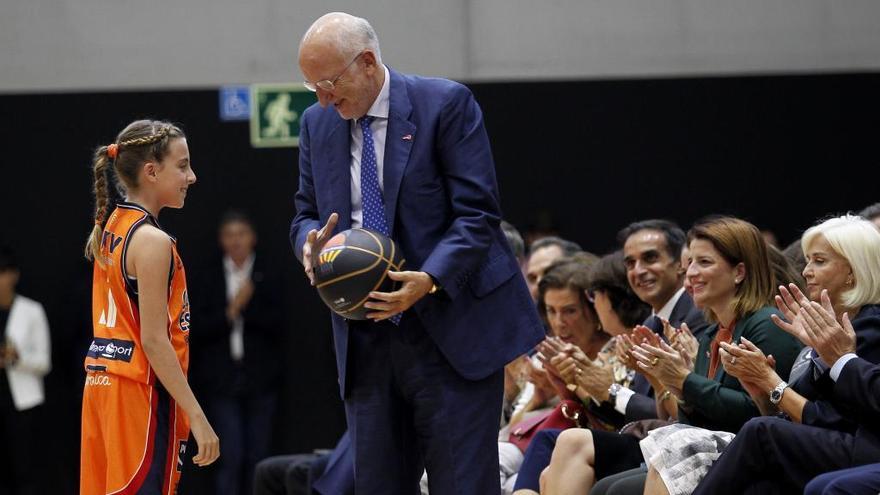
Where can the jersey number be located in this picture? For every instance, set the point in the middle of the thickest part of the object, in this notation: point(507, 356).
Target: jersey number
point(108, 317)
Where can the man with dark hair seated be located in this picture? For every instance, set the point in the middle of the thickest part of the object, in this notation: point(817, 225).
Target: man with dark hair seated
point(542, 254)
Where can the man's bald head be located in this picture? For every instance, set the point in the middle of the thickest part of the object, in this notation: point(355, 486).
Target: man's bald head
point(339, 58)
point(342, 32)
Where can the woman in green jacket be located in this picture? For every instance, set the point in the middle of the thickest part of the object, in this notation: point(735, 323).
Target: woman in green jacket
point(733, 282)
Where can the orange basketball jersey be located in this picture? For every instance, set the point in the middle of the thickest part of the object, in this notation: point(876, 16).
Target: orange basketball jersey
point(116, 348)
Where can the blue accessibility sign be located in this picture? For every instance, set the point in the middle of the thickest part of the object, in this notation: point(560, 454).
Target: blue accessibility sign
point(235, 103)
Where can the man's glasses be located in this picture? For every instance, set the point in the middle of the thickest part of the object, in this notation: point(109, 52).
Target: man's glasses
point(329, 84)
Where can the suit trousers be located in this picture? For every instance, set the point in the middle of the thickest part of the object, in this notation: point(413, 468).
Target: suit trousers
point(772, 455)
point(862, 480)
point(409, 410)
point(243, 421)
point(289, 474)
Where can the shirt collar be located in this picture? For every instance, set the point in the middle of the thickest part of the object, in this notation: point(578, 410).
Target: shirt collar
point(229, 265)
point(666, 311)
point(382, 104)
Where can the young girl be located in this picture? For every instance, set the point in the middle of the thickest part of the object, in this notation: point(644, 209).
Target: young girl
point(137, 405)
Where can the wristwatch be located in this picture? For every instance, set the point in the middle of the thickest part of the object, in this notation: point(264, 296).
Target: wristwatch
point(776, 393)
point(612, 393)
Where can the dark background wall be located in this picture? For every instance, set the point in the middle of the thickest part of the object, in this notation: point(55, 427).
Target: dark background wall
point(590, 155)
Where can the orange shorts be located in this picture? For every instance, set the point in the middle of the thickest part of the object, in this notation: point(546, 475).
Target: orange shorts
point(133, 438)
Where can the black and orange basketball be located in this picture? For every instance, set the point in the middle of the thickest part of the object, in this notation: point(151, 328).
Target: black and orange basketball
point(353, 264)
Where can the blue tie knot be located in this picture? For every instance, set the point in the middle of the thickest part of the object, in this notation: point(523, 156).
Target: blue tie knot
point(365, 122)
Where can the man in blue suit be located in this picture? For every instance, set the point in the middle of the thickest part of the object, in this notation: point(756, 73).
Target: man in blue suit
point(410, 157)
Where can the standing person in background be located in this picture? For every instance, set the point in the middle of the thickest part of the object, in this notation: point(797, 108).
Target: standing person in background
point(238, 308)
point(25, 358)
point(137, 405)
point(409, 156)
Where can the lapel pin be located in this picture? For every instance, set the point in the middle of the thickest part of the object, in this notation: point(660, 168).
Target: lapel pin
point(407, 137)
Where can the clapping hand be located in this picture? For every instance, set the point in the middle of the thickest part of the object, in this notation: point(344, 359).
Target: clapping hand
point(748, 363)
point(789, 301)
point(623, 344)
point(826, 335)
point(550, 351)
point(684, 342)
point(663, 363)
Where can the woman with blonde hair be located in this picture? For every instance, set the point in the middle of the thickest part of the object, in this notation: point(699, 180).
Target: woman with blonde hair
point(733, 282)
point(823, 432)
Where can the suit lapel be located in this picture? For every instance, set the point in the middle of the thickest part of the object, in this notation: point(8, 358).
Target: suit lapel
point(680, 310)
point(338, 153)
point(398, 144)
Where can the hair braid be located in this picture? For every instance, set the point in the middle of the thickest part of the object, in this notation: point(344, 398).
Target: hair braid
point(140, 142)
point(161, 134)
point(102, 199)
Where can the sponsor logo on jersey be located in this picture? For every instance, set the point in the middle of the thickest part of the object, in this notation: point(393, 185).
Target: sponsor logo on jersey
point(98, 380)
point(112, 349)
point(184, 317)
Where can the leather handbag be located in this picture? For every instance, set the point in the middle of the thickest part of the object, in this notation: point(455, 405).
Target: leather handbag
point(567, 414)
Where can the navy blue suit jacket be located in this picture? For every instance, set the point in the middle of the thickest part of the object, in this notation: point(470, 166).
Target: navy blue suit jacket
point(858, 386)
point(816, 385)
point(442, 206)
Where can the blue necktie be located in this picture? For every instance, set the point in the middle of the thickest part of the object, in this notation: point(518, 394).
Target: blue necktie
point(372, 204)
point(655, 324)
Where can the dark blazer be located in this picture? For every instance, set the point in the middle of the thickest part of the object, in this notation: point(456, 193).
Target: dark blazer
point(858, 387)
point(720, 403)
point(846, 405)
point(817, 387)
point(212, 368)
point(442, 206)
point(641, 405)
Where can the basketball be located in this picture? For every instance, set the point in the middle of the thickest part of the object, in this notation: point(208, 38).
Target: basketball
point(353, 264)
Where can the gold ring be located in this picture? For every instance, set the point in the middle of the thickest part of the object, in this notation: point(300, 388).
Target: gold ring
point(733, 360)
point(654, 361)
point(578, 371)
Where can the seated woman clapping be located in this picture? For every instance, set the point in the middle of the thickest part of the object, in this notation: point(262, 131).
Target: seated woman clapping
point(732, 281)
point(589, 378)
point(823, 432)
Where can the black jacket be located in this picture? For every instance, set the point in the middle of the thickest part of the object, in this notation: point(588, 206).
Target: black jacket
point(212, 369)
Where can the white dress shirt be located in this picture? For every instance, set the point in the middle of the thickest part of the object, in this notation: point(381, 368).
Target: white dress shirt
point(235, 278)
point(838, 366)
point(380, 129)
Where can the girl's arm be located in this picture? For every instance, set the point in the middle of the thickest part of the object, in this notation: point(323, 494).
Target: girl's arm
point(150, 258)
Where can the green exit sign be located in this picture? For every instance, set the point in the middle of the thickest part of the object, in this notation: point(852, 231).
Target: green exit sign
point(275, 113)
